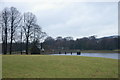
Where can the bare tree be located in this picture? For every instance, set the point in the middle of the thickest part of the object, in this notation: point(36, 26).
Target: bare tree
point(39, 35)
point(15, 18)
point(21, 34)
point(42, 37)
point(5, 17)
point(29, 21)
point(37, 38)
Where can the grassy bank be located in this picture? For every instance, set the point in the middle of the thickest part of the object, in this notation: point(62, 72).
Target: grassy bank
point(49, 66)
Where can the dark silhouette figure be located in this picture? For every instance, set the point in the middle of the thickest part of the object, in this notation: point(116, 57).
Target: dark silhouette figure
point(71, 53)
point(59, 52)
point(79, 53)
point(65, 53)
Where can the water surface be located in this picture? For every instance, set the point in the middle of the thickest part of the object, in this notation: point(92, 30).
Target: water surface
point(105, 55)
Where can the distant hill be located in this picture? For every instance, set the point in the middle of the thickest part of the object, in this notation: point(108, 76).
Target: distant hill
point(114, 36)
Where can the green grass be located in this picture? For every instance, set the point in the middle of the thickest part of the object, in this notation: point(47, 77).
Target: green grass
point(51, 66)
point(0, 66)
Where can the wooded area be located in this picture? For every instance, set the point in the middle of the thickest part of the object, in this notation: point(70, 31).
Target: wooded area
point(86, 43)
point(17, 27)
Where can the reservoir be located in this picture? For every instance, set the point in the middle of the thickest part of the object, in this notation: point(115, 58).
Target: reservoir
point(104, 55)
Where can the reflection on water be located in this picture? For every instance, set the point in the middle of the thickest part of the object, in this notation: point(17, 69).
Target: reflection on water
point(105, 55)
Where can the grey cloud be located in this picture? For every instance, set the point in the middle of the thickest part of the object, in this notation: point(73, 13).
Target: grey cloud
point(75, 18)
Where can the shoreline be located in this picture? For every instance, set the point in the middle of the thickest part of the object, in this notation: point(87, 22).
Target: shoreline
point(99, 51)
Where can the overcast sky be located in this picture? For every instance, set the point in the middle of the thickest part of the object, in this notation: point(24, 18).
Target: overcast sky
point(70, 18)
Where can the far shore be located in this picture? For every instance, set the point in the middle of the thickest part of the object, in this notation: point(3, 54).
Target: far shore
point(73, 51)
point(82, 51)
point(99, 51)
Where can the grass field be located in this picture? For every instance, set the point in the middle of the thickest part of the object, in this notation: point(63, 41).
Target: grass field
point(0, 66)
point(50, 66)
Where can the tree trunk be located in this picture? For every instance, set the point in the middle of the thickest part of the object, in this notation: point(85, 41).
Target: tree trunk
point(27, 46)
point(21, 41)
point(11, 37)
point(21, 47)
point(5, 48)
point(11, 45)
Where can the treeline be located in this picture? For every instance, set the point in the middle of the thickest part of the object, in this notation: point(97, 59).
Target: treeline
point(86, 43)
point(19, 28)
point(68, 43)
